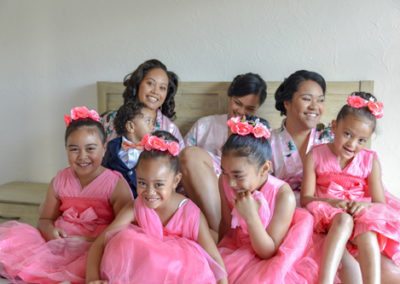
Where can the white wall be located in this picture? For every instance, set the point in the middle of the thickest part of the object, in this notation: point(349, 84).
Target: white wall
point(53, 52)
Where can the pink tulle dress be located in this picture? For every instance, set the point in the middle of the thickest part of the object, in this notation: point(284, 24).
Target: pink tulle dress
point(25, 256)
point(152, 253)
point(351, 183)
point(287, 265)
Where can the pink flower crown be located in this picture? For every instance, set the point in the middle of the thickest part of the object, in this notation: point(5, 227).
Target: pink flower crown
point(151, 142)
point(245, 127)
point(79, 113)
point(376, 108)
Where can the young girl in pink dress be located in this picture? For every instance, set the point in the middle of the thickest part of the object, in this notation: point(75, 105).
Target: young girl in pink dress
point(81, 201)
point(169, 240)
point(264, 236)
point(342, 188)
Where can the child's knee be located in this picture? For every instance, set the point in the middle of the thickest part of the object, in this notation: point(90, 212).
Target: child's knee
point(367, 239)
point(344, 220)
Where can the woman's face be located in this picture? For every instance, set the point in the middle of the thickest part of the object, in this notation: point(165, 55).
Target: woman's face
point(307, 105)
point(153, 88)
point(246, 105)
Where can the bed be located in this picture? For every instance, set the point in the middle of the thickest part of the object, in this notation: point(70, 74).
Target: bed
point(197, 99)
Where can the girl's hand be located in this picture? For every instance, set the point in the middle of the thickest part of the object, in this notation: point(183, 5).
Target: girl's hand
point(58, 233)
point(98, 282)
point(355, 207)
point(338, 203)
point(246, 205)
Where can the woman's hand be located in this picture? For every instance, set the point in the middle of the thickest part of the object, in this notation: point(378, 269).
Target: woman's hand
point(246, 205)
point(355, 207)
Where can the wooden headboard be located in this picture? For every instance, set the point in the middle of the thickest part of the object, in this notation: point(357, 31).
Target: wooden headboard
point(197, 99)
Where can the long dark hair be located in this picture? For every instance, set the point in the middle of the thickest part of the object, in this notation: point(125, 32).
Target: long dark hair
point(133, 80)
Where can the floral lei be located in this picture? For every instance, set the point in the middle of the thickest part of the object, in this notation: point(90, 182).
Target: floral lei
point(244, 127)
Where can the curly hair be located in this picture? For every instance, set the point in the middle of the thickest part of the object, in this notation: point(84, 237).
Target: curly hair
point(125, 113)
point(132, 82)
point(154, 154)
point(360, 112)
point(291, 84)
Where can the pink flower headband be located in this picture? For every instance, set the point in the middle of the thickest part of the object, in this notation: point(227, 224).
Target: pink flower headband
point(81, 112)
point(150, 142)
point(244, 127)
point(376, 108)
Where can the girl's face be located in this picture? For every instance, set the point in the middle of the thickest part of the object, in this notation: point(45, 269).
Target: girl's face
point(246, 105)
point(307, 104)
point(141, 125)
point(153, 88)
point(351, 135)
point(85, 152)
point(156, 182)
point(241, 174)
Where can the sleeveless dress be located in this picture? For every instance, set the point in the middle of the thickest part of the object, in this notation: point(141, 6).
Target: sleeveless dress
point(152, 253)
point(26, 256)
point(242, 263)
point(351, 183)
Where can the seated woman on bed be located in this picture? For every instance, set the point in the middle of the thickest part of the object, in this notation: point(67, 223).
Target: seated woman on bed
point(200, 164)
point(153, 85)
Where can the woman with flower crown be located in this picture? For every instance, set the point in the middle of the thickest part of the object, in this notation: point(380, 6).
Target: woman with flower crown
point(264, 236)
point(81, 201)
point(342, 188)
point(162, 237)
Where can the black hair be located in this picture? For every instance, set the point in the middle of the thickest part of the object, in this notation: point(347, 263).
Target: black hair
point(257, 150)
point(291, 84)
point(360, 112)
point(153, 154)
point(132, 82)
point(246, 84)
point(125, 113)
point(85, 122)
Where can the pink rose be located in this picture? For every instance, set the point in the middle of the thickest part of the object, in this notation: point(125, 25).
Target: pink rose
point(67, 119)
point(261, 131)
point(155, 143)
point(242, 128)
point(79, 112)
point(94, 115)
point(173, 148)
point(356, 102)
point(376, 108)
point(232, 121)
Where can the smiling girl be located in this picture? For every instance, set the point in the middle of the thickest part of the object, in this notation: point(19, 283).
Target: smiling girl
point(342, 188)
point(163, 237)
point(81, 201)
point(263, 235)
